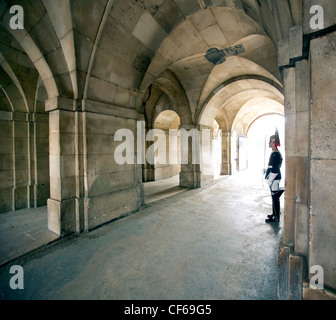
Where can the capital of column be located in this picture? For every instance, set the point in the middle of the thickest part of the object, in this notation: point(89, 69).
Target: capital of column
point(60, 103)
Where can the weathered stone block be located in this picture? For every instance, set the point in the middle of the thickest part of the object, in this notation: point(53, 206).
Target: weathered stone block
point(6, 199)
point(21, 145)
point(290, 183)
point(6, 178)
point(62, 216)
point(296, 42)
point(295, 278)
point(283, 263)
point(149, 32)
point(6, 145)
point(110, 182)
point(283, 52)
point(6, 129)
point(323, 219)
point(302, 133)
point(105, 208)
point(20, 197)
point(290, 90)
point(289, 222)
point(42, 192)
point(21, 177)
point(62, 121)
point(6, 162)
point(301, 229)
point(302, 180)
point(302, 85)
point(62, 188)
point(101, 90)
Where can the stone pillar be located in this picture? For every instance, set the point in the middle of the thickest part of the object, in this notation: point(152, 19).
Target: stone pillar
point(112, 186)
point(171, 166)
point(290, 141)
point(40, 156)
point(21, 164)
point(323, 161)
point(206, 165)
point(226, 153)
point(196, 156)
point(190, 175)
point(6, 162)
point(63, 203)
point(149, 168)
point(234, 152)
point(302, 144)
point(296, 184)
point(24, 154)
point(309, 219)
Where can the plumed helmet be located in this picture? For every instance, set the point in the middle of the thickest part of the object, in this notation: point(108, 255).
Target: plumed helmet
point(275, 139)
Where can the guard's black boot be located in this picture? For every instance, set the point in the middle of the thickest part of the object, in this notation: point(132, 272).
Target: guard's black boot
point(271, 219)
point(276, 204)
point(275, 216)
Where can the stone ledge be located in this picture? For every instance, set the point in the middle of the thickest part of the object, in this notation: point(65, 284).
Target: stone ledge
point(317, 294)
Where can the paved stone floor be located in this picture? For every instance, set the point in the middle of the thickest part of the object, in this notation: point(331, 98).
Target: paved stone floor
point(204, 244)
point(23, 231)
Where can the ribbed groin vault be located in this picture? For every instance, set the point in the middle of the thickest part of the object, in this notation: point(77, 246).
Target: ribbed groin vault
point(75, 72)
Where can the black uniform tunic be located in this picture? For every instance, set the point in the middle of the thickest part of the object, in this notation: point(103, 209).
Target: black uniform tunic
point(274, 165)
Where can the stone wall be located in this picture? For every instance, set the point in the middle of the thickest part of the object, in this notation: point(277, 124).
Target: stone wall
point(6, 165)
point(323, 160)
point(24, 164)
point(169, 168)
point(88, 186)
point(111, 189)
point(309, 221)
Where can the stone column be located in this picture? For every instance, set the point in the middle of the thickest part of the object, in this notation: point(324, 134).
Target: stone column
point(7, 162)
point(293, 68)
point(302, 144)
point(149, 168)
point(190, 175)
point(226, 153)
point(40, 159)
point(111, 187)
point(290, 162)
point(21, 164)
point(207, 171)
point(323, 161)
point(309, 219)
point(196, 157)
point(63, 203)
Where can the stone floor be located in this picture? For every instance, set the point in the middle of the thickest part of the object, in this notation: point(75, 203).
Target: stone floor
point(23, 231)
point(201, 244)
point(26, 230)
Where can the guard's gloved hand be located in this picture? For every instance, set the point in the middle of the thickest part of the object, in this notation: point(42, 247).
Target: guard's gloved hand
point(271, 178)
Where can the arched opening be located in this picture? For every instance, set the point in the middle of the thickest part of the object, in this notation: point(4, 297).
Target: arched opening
point(166, 124)
point(235, 107)
point(258, 136)
point(163, 154)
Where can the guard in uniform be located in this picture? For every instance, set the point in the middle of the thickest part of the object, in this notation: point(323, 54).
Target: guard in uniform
point(273, 177)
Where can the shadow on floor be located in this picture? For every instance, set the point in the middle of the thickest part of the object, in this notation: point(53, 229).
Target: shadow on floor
point(26, 230)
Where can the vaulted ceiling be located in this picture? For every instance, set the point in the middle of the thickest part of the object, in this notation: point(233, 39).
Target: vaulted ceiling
point(113, 51)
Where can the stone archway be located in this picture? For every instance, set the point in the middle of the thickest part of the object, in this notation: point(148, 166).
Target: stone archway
point(168, 122)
